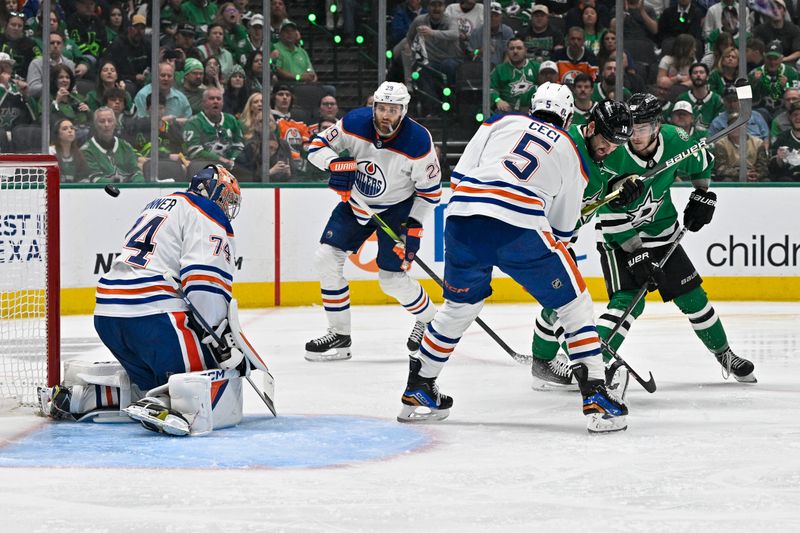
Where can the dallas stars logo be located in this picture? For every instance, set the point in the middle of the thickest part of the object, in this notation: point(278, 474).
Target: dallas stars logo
point(646, 211)
point(520, 87)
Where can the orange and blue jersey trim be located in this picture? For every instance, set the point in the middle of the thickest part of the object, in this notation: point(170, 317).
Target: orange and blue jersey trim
point(209, 209)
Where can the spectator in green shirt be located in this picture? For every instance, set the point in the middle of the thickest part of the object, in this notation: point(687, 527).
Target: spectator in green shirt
point(513, 82)
point(109, 158)
point(292, 63)
point(200, 13)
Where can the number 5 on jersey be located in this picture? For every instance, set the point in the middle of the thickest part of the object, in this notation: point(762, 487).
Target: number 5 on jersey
point(142, 241)
point(524, 170)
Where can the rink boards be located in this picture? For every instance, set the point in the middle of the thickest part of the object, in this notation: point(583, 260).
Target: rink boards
point(750, 251)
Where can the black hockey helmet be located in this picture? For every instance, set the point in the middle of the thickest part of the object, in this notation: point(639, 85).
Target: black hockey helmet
point(645, 108)
point(612, 120)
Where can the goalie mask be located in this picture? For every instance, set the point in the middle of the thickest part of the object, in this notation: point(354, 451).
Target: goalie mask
point(216, 183)
point(554, 103)
point(394, 93)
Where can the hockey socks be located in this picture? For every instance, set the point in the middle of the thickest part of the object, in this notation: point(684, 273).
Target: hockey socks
point(620, 301)
point(705, 321)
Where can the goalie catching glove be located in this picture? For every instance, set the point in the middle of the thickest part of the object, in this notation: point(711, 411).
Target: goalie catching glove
point(644, 267)
point(410, 234)
point(630, 188)
point(700, 209)
point(227, 354)
point(342, 176)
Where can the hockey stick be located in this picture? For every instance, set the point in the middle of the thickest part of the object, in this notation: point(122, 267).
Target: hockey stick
point(649, 385)
point(745, 96)
point(522, 359)
point(268, 401)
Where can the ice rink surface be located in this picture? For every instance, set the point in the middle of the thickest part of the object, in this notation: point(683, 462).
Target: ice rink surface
point(701, 454)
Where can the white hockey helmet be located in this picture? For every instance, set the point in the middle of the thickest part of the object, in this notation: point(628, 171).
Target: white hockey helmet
point(556, 99)
point(391, 92)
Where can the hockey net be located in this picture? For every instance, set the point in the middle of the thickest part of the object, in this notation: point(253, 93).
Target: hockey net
point(29, 277)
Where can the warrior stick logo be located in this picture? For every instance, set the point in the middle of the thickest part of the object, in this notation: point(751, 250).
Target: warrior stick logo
point(370, 180)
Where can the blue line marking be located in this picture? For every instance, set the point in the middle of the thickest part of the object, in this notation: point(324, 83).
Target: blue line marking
point(259, 442)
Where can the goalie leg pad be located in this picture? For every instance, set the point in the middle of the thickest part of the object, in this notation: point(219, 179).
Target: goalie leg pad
point(409, 292)
point(190, 395)
point(90, 391)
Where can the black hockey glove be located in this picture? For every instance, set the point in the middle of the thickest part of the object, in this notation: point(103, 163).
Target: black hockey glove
point(699, 210)
point(227, 353)
point(630, 188)
point(644, 267)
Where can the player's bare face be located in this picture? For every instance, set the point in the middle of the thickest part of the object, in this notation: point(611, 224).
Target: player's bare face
point(387, 117)
point(643, 136)
point(601, 148)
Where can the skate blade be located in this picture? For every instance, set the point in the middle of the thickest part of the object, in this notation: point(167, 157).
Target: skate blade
point(415, 414)
point(597, 423)
point(546, 386)
point(172, 425)
point(338, 354)
point(749, 378)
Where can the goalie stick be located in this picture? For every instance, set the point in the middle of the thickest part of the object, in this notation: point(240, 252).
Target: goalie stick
point(745, 95)
point(266, 398)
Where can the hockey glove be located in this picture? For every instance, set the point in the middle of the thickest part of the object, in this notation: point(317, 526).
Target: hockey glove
point(342, 176)
point(630, 188)
point(644, 267)
point(227, 354)
point(410, 234)
point(699, 210)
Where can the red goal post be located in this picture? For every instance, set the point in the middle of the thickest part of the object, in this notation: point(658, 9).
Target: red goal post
point(30, 336)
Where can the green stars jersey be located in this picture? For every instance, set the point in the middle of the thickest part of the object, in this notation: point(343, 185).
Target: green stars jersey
point(598, 179)
point(652, 218)
point(206, 140)
point(514, 85)
point(705, 109)
point(598, 95)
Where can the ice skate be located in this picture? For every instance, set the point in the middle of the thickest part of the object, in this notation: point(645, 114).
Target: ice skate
point(156, 416)
point(552, 375)
point(330, 347)
point(422, 401)
point(617, 378)
point(606, 413)
point(742, 369)
point(415, 339)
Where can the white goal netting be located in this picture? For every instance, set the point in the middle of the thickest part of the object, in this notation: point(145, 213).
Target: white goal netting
point(24, 296)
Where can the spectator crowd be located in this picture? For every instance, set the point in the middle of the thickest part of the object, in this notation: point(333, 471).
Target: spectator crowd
point(210, 66)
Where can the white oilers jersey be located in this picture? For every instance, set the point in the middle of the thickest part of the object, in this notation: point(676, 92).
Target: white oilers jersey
point(390, 170)
point(522, 171)
point(185, 235)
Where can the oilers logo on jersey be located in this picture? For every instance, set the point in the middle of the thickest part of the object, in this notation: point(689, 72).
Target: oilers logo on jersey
point(370, 180)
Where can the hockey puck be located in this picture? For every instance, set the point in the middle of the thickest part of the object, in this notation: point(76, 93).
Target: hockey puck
point(112, 190)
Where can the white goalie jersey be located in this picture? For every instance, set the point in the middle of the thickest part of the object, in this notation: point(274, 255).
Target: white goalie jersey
point(184, 235)
point(390, 170)
point(522, 171)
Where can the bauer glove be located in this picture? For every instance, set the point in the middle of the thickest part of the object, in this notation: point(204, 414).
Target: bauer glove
point(699, 210)
point(227, 354)
point(630, 188)
point(644, 267)
point(342, 176)
point(410, 234)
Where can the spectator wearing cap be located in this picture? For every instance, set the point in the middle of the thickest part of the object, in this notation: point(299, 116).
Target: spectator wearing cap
point(215, 47)
point(20, 48)
point(498, 40)
point(582, 87)
point(540, 38)
point(177, 105)
point(292, 62)
point(784, 161)
point(575, 58)
point(229, 17)
point(513, 82)
point(212, 134)
point(88, 30)
point(771, 79)
point(726, 157)
point(184, 38)
point(434, 44)
point(779, 28)
point(548, 72)
point(254, 39)
point(781, 121)
point(706, 105)
point(34, 76)
point(192, 86)
point(756, 126)
point(719, 11)
point(130, 53)
point(108, 157)
point(199, 13)
point(15, 107)
point(682, 115)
